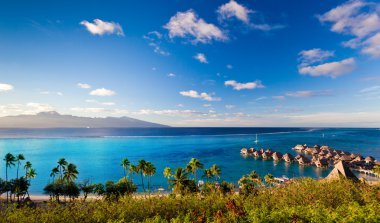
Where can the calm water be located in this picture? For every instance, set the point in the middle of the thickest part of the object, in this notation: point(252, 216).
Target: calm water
point(97, 152)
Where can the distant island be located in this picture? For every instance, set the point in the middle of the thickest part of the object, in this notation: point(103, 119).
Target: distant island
point(53, 119)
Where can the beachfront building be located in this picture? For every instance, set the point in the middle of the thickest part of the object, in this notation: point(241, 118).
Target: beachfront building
point(266, 155)
point(340, 170)
point(369, 161)
point(257, 153)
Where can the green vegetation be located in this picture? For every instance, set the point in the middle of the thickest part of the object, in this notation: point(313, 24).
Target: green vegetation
point(260, 199)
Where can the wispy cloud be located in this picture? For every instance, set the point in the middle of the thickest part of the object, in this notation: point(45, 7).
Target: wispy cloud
point(360, 19)
point(370, 93)
point(171, 75)
point(314, 55)
point(154, 39)
point(189, 25)
point(102, 92)
point(99, 27)
point(201, 58)
point(308, 94)
point(203, 96)
point(6, 87)
point(242, 86)
point(101, 103)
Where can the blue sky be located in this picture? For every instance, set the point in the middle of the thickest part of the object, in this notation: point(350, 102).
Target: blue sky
point(194, 63)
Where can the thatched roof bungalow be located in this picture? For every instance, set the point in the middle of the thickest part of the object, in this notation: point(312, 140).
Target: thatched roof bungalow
point(304, 161)
point(251, 150)
point(244, 151)
point(266, 155)
point(257, 153)
point(287, 157)
point(299, 147)
point(277, 156)
point(346, 158)
point(321, 163)
point(340, 170)
point(369, 160)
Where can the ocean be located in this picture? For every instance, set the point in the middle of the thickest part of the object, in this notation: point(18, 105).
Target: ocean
point(98, 152)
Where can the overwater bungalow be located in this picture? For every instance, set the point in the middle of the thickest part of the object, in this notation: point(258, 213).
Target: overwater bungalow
point(277, 156)
point(251, 151)
point(266, 155)
point(287, 157)
point(337, 157)
point(262, 150)
point(304, 161)
point(257, 153)
point(269, 151)
point(322, 153)
point(244, 151)
point(337, 151)
point(321, 163)
point(369, 161)
point(345, 153)
point(316, 146)
point(345, 158)
point(299, 147)
point(308, 150)
point(325, 148)
point(354, 155)
point(298, 157)
point(315, 151)
point(314, 159)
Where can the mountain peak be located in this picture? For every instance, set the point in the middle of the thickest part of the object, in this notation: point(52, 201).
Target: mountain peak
point(48, 113)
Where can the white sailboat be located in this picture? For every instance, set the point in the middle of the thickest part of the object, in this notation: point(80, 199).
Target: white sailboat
point(257, 140)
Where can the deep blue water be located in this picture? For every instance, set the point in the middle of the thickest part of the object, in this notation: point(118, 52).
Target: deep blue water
point(98, 152)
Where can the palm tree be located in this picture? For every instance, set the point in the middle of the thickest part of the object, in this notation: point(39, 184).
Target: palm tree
point(62, 163)
point(70, 173)
point(19, 157)
point(31, 174)
point(216, 171)
point(150, 170)
point(54, 172)
point(141, 167)
point(208, 174)
point(269, 179)
point(180, 180)
point(27, 166)
point(125, 164)
point(193, 166)
point(168, 173)
point(9, 162)
point(376, 169)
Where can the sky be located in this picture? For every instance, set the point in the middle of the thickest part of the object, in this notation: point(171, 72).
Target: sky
point(305, 63)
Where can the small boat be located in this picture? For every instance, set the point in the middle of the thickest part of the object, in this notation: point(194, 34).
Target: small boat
point(257, 140)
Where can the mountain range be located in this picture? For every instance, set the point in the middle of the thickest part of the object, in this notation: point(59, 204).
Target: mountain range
point(53, 119)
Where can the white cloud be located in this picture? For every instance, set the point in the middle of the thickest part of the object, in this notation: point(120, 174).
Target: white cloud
point(279, 97)
point(102, 92)
point(49, 93)
point(99, 27)
point(241, 86)
point(188, 25)
point(100, 103)
point(84, 86)
point(230, 106)
point(331, 69)
point(229, 66)
point(360, 19)
point(201, 58)
point(34, 107)
point(314, 55)
point(233, 9)
point(6, 87)
point(203, 96)
point(171, 75)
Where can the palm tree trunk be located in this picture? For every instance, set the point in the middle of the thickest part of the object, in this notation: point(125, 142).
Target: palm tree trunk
point(18, 166)
point(6, 180)
point(142, 181)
